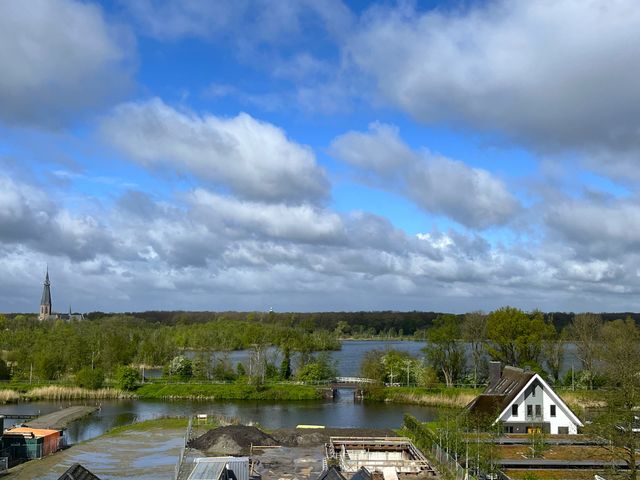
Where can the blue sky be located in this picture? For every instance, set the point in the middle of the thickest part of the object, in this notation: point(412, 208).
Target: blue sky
point(320, 155)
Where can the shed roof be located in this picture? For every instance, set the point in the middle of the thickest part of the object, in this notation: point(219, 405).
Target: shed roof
point(37, 432)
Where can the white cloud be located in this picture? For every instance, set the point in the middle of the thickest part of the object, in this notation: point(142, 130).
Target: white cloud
point(253, 158)
point(471, 196)
point(554, 74)
point(58, 58)
point(297, 223)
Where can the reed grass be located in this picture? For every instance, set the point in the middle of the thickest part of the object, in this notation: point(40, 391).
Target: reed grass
point(9, 396)
point(431, 399)
point(54, 392)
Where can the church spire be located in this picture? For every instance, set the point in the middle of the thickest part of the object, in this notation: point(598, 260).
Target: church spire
point(45, 302)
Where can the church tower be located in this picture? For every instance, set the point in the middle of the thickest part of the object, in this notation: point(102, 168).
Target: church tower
point(45, 303)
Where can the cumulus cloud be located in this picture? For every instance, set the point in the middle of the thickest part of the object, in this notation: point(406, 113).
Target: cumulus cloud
point(597, 228)
point(254, 159)
point(554, 74)
point(298, 223)
point(29, 217)
point(58, 58)
point(471, 196)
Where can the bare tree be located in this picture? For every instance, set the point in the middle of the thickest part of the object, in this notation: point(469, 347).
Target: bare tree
point(619, 357)
point(585, 330)
point(474, 332)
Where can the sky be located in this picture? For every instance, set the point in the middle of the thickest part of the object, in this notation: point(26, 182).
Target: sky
point(318, 155)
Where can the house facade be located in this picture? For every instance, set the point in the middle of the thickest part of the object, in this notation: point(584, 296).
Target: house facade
point(523, 402)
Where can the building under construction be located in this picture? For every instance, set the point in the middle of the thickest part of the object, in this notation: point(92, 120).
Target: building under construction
point(393, 457)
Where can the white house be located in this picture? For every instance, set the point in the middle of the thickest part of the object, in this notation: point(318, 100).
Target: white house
point(523, 402)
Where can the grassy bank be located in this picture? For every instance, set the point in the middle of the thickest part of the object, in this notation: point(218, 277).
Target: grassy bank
point(165, 423)
point(231, 391)
point(433, 397)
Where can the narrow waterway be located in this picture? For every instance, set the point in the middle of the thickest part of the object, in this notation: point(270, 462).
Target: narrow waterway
point(341, 412)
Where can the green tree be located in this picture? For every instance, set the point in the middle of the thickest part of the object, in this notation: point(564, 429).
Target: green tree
point(127, 378)
point(320, 369)
point(90, 378)
point(443, 350)
point(285, 366)
point(517, 338)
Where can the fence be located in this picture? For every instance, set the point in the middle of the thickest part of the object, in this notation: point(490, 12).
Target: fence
point(4, 464)
point(183, 449)
point(450, 463)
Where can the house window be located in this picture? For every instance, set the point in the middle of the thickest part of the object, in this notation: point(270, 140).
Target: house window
point(533, 391)
point(553, 410)
point(538, 410)
point(563, 430)
point(514, 410)
point(508, 429)
point(529, 410)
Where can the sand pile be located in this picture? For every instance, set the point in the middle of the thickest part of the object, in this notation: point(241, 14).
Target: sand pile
point(231, 440)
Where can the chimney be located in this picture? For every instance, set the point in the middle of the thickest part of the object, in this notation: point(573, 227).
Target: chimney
point(495, 372)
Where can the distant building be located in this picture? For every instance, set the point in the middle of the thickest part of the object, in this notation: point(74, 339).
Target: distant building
point(46, 312)
point(523, 403)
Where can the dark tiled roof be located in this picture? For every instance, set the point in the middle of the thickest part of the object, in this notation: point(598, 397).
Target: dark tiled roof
point(499, 395)
point(331, 473)
point(78, 472)
point(362, 474)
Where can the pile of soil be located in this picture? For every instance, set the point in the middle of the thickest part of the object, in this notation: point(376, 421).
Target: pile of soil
point(231, 440)
point(298, 437)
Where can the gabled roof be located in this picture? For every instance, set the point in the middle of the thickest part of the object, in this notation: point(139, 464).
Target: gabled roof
point(78, 472)
point(331, 473)
point(362, 474)
point(499, 395)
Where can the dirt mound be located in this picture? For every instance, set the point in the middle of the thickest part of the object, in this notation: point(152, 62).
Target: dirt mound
point(294, 437)
point(231, 440)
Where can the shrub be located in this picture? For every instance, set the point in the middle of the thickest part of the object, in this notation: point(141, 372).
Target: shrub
point(127, 378)
point(90, 378)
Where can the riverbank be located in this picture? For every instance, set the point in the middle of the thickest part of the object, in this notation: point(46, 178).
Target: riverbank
point(431, 397)
point(230, 391)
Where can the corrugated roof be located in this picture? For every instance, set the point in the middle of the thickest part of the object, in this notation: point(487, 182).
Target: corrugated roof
point(37, 432)
point(78, 472)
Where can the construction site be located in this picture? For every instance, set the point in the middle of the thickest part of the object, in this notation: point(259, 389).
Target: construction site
point(247, 453)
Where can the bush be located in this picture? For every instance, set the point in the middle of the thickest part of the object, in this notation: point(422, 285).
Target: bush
point(322, 368)
point(92, 379)
point(127, 378)
point(181, 367)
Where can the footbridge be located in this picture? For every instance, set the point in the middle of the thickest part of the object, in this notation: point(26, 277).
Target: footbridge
point(351, 382)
